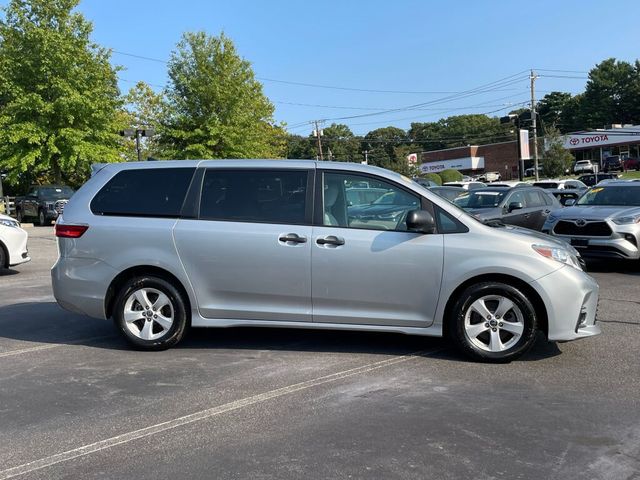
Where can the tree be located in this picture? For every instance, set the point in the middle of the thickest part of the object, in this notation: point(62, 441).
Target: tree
point(215, 106)
point(458, 131)
point(301, 147)
point(381, 144)
point(143, 109)
point(340, 144)
point(551, 109)
point(557, 159)
point(612, 94)
point(58, 94)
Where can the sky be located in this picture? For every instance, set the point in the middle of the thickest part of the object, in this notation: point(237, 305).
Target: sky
point(381, 55)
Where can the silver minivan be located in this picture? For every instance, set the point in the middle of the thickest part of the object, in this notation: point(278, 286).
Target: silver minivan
point(162, 246)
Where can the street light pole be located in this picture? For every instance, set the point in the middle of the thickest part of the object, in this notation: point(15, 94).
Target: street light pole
point(138, 133)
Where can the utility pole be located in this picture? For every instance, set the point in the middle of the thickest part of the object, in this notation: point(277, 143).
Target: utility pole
point(318, 134)
point(533, 77)
point(366, 157)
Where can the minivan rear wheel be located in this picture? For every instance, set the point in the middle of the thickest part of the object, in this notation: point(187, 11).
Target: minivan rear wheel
point(151, 313)
point(493, 322)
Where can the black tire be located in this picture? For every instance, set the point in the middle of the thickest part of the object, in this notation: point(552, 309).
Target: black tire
point(19, 216)
point(43, 221)
point(476, 349)
point(4, 260)
point(181, 315)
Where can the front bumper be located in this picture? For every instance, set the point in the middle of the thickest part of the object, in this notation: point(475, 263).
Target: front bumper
point(623, 242)
point(15, 239)
point(571, 299)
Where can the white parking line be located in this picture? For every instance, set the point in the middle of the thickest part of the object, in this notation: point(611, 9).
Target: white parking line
point(201, 415)
point(49, 346)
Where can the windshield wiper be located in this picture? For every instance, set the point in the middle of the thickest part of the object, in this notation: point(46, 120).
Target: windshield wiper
point(494, 223)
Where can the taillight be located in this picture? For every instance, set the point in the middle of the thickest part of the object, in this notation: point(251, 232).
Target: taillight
point(70, 231)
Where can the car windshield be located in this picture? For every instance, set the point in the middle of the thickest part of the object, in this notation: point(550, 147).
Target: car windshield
point(546, 184)
point(480, 199)
point(55, 193)
point(611, 195)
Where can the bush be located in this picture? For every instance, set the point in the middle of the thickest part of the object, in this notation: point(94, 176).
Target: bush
point(450, 176)
point(434, 177)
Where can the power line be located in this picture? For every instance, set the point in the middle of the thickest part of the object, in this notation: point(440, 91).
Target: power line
point(564, 76)
point(561, 71)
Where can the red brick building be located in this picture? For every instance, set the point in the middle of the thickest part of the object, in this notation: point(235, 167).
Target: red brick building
point(473, 159)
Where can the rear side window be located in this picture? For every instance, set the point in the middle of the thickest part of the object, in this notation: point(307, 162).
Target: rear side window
point(262, 196)
point(147, 192)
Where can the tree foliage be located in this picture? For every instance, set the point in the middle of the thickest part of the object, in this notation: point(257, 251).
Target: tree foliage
point(215, 107)
point(381, 144)
point(557, 159)
point(340, 144)
point(58, 94)
point(143, 109)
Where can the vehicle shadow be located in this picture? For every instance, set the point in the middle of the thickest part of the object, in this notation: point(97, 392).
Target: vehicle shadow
point(5, 272)
point(47, 323)
point(628, 267)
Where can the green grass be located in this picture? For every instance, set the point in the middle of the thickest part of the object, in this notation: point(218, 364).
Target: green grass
point(631, 175)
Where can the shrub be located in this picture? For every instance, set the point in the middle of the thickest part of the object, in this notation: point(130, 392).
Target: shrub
point(450, 176)
point(434, 177)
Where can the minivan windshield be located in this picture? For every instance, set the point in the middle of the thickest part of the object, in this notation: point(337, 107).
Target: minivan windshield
point(481, 199)
point(610, 195)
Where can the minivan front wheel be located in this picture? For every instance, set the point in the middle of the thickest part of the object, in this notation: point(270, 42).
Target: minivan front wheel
point(151, 313)
point(493, 322)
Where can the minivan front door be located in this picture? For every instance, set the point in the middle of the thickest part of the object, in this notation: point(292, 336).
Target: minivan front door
point(248, 255)
point(366, 267)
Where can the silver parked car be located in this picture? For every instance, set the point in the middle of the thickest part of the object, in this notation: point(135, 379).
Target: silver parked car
point(603, 223)
point(161, 246)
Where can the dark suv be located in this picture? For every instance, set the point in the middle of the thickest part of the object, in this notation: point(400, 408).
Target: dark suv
point(521, 206)
point(613, 163)
point(591, 179)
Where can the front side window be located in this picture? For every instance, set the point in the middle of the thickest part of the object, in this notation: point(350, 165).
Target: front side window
point(516, 197)
point(384, 209)
point(261, 196)
point(144, 192)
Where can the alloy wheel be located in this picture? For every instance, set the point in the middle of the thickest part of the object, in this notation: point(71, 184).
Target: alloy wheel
point(493, 323)
point(148, 313)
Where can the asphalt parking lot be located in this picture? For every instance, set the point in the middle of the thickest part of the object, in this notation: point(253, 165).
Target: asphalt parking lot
point(77, 402)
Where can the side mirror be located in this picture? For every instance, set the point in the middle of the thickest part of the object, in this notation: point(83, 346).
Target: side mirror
point(569, 201)
point(420, 221)
point(515, 206)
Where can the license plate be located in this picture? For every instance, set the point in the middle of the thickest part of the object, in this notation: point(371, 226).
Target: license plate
point(580, 242)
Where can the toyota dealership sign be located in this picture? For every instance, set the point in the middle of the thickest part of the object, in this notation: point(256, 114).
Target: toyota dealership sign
point(602, 138)
point(467, 163)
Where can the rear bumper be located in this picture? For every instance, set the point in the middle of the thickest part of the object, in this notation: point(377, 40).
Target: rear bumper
point(571, 299)
point(80, 285)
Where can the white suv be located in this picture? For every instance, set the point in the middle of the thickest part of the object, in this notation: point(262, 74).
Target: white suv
point(583, 166)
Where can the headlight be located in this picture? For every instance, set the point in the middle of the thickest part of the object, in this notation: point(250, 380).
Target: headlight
point(559, 254)
point(9, 223)
point(627, 220)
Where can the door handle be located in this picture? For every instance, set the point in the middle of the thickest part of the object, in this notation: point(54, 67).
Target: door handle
point(330, 240)
point(292, 237)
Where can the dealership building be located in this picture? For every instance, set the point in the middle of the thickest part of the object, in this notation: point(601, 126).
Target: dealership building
point(594, 145)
